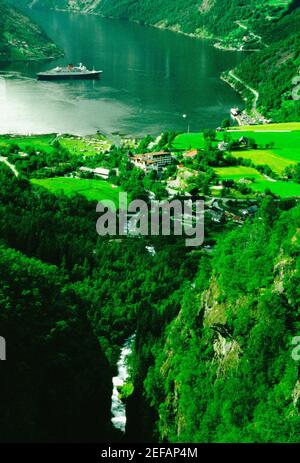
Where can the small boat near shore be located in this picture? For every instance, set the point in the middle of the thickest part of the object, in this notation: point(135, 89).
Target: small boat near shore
point(69, 72)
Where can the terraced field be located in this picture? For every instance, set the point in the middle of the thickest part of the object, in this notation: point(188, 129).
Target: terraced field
point(281, 127)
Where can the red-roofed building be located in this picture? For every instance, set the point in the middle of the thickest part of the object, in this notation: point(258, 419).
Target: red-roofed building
point(191, 154)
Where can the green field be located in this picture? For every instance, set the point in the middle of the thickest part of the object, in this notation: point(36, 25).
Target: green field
point(260, 157)
point(237, 173)
point(37, 142)
point(282, 189)
point(284, 126)
point(186, 141)
point(278, 144)
point(283, 141)
point(93, 190)
point(260, 183)
point(284, 144)
point(87, 146)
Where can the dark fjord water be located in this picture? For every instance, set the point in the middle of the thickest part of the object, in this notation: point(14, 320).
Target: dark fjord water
point(151, 78)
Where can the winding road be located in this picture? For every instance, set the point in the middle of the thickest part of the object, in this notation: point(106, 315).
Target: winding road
point(252, 90)
point(255, 36)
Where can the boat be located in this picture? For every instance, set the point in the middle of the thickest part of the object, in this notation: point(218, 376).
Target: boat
point(69, 72)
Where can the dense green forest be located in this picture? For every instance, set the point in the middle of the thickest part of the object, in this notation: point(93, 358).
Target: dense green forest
point(21, 38)
point(56, 385)
point(216, 18)
point(222, 369)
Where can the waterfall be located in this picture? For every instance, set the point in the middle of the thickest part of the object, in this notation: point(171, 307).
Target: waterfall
point(118, 408)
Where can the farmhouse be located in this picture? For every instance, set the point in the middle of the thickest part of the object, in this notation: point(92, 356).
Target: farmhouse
point(190, 154)
point(252, 210)
point(216, 215)
point(223, 146)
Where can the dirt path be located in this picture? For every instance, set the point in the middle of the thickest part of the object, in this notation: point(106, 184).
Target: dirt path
point(11, 166)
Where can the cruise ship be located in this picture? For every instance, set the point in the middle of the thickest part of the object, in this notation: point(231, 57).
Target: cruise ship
point(69, 72)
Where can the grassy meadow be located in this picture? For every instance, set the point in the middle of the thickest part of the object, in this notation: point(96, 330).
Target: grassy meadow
point(87, 146)
point(278, 148)
point(259, 183)
point(261, 157)
point(281, 127)
point(36, 142)
point(93, 190)
point(186, 141)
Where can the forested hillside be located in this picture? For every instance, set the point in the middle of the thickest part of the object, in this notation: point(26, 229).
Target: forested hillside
point(214, 325)
point(208, 18)
point(272, 71)
point(68, 299)
point(21, 38)
point(221, 369)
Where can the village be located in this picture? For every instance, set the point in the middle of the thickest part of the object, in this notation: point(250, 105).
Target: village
point(214, 166)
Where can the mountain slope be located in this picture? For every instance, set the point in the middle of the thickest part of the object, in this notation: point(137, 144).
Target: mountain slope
point(21, 38)
point(222, 370)
point(201, 17)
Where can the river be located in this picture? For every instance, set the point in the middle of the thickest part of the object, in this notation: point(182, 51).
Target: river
point(151, 78)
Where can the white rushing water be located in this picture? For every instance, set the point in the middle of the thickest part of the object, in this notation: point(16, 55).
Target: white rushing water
point(118, 408)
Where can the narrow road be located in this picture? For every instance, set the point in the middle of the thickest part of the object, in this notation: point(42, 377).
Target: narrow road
point(252, 90)
point(257, 37)
point(11, 166)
